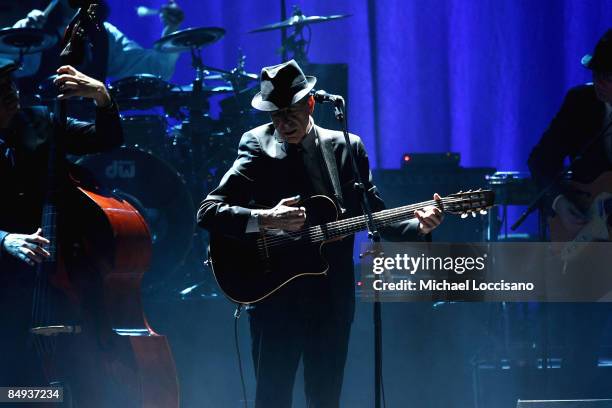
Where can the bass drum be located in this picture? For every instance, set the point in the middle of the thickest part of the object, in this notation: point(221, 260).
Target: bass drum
point(161, 196)
point(146, 132)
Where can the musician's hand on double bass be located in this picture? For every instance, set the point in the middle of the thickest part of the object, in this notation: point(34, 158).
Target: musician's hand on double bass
point(71, 83)
point(28, 248)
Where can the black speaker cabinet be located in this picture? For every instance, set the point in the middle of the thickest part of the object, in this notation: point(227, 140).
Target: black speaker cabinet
point(406, 186)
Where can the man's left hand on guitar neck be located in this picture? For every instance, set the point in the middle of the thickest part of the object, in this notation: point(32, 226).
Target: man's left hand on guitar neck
point(429, 217)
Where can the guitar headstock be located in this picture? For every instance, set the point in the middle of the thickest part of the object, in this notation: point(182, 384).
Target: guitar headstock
point(469, 202)
point(86, 21)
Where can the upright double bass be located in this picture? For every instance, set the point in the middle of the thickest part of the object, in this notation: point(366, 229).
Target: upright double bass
point(88, 325)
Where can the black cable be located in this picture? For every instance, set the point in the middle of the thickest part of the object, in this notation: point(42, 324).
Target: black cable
point(236, 317)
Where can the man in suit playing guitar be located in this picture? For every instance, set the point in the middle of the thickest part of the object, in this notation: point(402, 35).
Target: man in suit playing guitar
point(585, 113)
point(24, 135)
point(309, 317)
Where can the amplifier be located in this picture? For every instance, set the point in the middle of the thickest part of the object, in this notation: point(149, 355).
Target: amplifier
point(590, 403)
point(431, 160)
point(410, 185)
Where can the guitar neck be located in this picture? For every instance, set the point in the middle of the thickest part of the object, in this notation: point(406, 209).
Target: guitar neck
point(381, 219)
point(49, 213)
point(463, 203)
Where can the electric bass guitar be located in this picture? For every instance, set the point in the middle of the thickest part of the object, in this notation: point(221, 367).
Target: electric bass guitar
point(595, 201)
point(253, 267)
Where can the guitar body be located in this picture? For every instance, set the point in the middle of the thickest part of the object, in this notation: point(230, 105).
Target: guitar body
point(254, 266)
point(248, 272)
point(114, 358)
point(595, 199)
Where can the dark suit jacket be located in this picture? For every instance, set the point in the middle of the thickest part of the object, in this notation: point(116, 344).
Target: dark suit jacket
point(579, 120)
point(21, 188)
point(260, 177)
point(23, 184)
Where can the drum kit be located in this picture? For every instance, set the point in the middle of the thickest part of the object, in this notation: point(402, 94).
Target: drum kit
point(175, 151)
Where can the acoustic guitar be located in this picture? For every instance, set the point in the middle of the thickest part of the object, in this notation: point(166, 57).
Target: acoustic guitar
point(253, 267)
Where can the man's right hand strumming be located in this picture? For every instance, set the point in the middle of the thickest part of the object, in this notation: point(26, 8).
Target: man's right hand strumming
point(28, 248)
point(283, 216)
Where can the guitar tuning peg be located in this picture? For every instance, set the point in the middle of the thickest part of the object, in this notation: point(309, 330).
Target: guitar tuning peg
point(464, 215)
point(473, 214)
point(483, 212)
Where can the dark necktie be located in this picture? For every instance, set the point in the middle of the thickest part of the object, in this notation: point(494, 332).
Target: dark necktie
point(298, 175)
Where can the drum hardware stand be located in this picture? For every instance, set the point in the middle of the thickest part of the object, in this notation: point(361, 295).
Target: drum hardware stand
point(237, 79)
point(194, 124)
point(296, 43)
point(283, 12)
point(195, 127)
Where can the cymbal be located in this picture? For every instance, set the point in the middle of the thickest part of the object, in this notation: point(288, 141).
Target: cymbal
point(26, 40)
point(189, 38)
point(207, 90)
point(142, 91)
point(224, 75)
point(299, 20)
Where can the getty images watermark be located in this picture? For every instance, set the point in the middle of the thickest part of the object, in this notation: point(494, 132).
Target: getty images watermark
point(486, 272)
point(405, 263)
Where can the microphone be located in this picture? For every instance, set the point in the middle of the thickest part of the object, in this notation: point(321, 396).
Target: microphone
point(321, 96)
point(144, 11)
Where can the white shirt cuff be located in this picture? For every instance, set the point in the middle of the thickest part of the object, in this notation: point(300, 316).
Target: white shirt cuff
point(253, 224)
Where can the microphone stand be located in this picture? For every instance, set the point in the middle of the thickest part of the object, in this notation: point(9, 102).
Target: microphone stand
point(374, 237)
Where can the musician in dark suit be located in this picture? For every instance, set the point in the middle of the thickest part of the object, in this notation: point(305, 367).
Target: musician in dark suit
point(584, 114)
point(23, 166)
point(586, 110)
point(309, 318)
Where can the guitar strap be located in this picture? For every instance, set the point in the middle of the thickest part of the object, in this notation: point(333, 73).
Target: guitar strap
point(329, 160)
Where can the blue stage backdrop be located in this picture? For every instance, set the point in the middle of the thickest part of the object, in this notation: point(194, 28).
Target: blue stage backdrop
point(480, 77)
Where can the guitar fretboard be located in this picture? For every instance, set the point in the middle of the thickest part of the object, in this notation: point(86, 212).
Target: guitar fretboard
point(352, 225)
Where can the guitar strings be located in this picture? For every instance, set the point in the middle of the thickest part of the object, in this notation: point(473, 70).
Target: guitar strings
point(344, 226)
